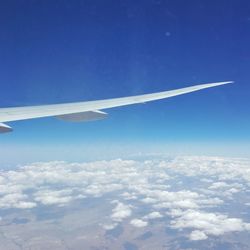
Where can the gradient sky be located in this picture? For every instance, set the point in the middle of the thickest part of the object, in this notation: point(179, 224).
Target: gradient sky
point(66, 51)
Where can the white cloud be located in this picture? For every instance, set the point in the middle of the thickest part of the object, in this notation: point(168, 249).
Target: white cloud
point(175, 212)
point(198, 235)
point(182, 188)
point(148, 200)
point(209, 223)
point(218, 185)
point(215, 167)
point(138, 223)
point(50, 197)
point(129, 196)
point(153, 215)
point(120, 212)
point(206, 180)
point(109, 226)
point(16, 200)
point(211, 202)
point(226, 189)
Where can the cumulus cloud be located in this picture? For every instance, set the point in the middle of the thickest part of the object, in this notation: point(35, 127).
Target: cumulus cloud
point(51, 197)
point(129, 196)
point(16, 200)
point(222, 168)
point(208, 223)
point(182, 189)
point(46, 183)
point(217, 185)
point(138, 223)
point(148, 200)
point(153, 215)
point(120, 212)
point(109, 226)
point(198, 235)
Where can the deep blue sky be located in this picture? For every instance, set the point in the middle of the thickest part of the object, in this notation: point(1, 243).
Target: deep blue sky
point(65, 51)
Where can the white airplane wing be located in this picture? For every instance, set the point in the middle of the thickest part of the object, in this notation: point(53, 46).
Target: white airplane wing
point(90, 110)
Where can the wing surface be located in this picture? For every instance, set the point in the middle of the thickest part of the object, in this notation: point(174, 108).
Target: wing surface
point(66, 111)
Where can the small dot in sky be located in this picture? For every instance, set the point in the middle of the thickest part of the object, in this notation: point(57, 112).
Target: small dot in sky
point(167, 33)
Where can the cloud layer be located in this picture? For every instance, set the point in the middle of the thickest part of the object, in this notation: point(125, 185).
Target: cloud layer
point(188, 193)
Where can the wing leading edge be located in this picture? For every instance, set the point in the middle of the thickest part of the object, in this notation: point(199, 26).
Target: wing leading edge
point(80, 111)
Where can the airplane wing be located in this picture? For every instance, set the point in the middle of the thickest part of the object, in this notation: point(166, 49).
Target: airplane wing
point(89, 110)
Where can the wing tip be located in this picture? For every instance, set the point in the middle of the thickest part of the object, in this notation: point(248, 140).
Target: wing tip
point(218, 83)
point(227, 82)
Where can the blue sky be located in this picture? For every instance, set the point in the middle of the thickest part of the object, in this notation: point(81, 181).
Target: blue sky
point(65, 51)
